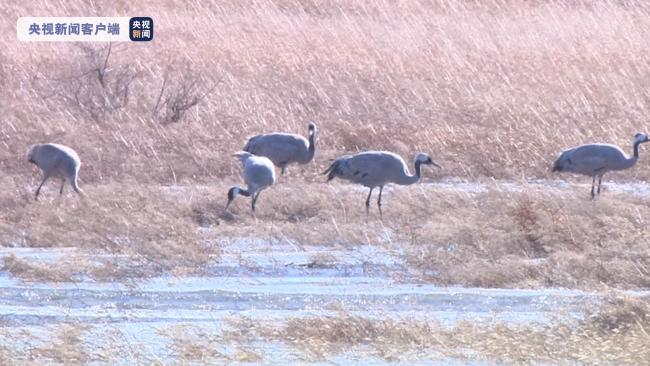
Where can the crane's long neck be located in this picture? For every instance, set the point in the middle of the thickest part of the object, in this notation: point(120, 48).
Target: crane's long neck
point(312, 142)
point(636, 149)
point(629, 162)
point(410, 179)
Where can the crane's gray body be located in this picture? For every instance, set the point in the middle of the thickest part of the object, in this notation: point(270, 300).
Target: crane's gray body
point(595, 160)
point(375, 169)
point(371, 169)
point(284, 148)
point(56, 161)
point(258, 173)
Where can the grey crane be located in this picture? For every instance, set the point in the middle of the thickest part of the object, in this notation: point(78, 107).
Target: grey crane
point(57, 161)
point(376, 169)
point(284, 148)
point(258, 175)
point(595, 160)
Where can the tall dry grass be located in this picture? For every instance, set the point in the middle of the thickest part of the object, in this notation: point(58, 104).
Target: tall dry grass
point(490, 89)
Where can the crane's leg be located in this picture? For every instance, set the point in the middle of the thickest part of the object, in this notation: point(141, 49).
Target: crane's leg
point(593, 183)
point(600, 179)
point(381, 189)
point(75, 184)
point(38, 190)
point(254, 200)
point(368, 201)
point(283, 169)
point(62, 185)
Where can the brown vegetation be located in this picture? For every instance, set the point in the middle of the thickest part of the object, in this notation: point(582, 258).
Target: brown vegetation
point(490, 89)
point(616, 332)
point(148, 232)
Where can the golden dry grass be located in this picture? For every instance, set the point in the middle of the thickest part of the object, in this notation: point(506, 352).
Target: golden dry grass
point(614, 333)
point(493, 89)
point(498, 238)
point(147, 231)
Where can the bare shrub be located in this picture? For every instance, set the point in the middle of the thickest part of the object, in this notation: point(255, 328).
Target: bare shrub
point(99, 87)
point(179, 94)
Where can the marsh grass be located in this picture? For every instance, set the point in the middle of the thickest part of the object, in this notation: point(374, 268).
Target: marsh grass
point(491, 90)
point(526, 237)
point(147, 231)
point(498, 238)
point(615, 331)
point(197, 345)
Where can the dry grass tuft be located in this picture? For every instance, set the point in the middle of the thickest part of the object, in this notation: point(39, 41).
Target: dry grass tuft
point(66, 346)
point(148, 230)
point(532, 238)
point(196, 345)
point(620, 315)
point(30, 271)
point(322, 336)
point(615, 332)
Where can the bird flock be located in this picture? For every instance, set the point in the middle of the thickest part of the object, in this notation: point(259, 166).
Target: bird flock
point(371, 169)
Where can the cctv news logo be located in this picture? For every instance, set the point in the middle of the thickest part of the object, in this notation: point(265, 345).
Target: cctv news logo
point(141, 29)
point(85, 29)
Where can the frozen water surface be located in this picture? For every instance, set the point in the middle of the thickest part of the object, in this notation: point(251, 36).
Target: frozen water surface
point(280, 285)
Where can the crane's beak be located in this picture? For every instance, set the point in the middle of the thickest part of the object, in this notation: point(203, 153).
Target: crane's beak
point(431, 162)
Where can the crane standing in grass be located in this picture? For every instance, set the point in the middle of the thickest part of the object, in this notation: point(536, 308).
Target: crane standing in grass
point(376, 169)
point(258, 175)
point(284, 148)
point(56, 161)
point(595, 160)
